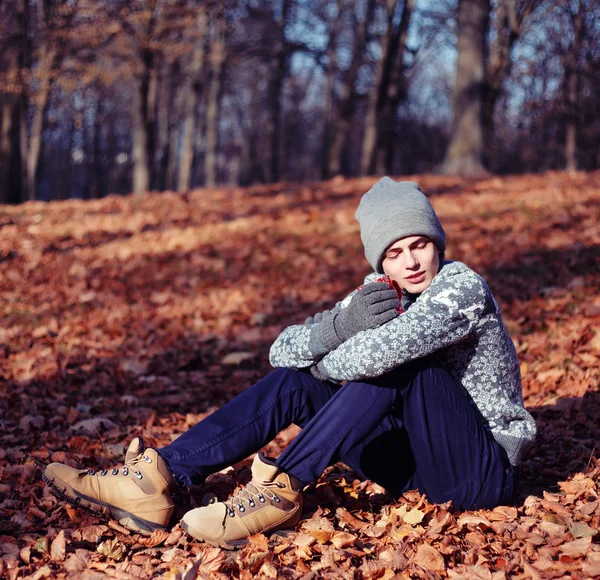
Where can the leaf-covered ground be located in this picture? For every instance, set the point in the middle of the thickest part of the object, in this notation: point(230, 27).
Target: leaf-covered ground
point(138, 316)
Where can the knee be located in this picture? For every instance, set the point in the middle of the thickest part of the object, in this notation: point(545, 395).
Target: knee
point(435, 374)
point(284, 374)
point(285, 379)
point(369, 391)
point(423, 376)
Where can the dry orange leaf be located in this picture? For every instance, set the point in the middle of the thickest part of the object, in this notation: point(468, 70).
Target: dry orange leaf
point(428, 558)
point(58, 548)
point(342, 539)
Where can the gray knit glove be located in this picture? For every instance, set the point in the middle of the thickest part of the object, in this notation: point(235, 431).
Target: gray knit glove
point(316, 318)
point(372, 305)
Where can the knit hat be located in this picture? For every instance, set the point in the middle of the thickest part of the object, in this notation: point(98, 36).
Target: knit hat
point(392, 210)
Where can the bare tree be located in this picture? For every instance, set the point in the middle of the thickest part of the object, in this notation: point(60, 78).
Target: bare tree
point(390, 90)
point(209, 91)
point(576, 12)
point(509, 19)
point(217, 60)
point(465, 151)
point(191, 93)
point(11, 42)
point(280, 68)
point(342, 103)
point(330, 69)
point(44, 43)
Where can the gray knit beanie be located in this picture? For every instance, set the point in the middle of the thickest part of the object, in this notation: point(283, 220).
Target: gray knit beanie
point(392, 210)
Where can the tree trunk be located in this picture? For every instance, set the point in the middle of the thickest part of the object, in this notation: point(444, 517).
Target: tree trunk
point(172, 160)
point(275, 93)
point(571, 120)
point(348, 97)
point(164, 109)
point(572, 84)
point(508, 26)
point(392, 92)
point(97, 178)
point(148, 93)
point(45, 67)
point(191, 91)
point(329, 92)
point(464, 154)
point(9, 186)
point(217, 59)
point(141, 173)
point(367, 158)
point(280, 71)
point(328, 112)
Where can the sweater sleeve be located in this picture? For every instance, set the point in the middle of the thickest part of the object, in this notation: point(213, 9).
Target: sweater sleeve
point(448, 312)
point(298, 346)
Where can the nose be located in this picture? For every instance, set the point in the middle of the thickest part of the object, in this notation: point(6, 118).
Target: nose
point(410, 262)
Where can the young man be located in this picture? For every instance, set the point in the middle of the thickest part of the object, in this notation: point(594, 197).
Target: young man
point(429, 399)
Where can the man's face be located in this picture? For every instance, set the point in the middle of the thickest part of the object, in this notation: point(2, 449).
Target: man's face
point(412, 263)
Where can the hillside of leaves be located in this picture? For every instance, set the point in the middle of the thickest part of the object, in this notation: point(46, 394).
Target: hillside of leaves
point(140, 315)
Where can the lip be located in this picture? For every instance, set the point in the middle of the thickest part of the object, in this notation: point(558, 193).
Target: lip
point(416, 278)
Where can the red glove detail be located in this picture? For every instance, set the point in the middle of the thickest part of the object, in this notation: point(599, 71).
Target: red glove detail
point(393, 285)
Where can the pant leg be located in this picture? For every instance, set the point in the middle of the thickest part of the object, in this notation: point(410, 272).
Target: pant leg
point(456, 456)
point(437, 442)
point(413, 428)
point(246, 423)
point(355, 413)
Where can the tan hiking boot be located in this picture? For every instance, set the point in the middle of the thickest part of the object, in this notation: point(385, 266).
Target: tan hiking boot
point(137, 495)
point(271, 501)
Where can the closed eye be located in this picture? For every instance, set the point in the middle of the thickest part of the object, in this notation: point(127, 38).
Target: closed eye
point(420, 244)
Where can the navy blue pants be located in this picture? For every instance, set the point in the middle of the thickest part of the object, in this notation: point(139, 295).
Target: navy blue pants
point(413, 428)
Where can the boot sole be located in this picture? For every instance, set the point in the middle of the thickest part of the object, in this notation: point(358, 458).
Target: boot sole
point(96, 507)
point(233, 544)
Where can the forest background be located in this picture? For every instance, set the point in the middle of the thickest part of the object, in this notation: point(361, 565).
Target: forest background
point(114, 96)
point(141, 314)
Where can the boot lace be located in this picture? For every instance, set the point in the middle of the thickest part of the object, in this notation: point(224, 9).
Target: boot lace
point(252, 493)
point(129, 465)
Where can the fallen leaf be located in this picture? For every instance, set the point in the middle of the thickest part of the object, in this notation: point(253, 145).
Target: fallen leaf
point(80, 560)
point(592, 569)
point(267, 570)
point(212, 560)
point(191, 571)
point(580, 530)
point(95, 425)
point(134, 366)
point(92, 534)
point(342, 539)
point(58, 548)
point(503, 514)
point(429, 559)
point(42, 545)
point(576, 547)
point(467, 519)
point(43, 572)
point(25, 554)
point(321, 536)
point(354, 522)
point(173, 554)
point(156, 538)
point(413, 517)
point(237, 358)
point(112, 549)
point(174, 537)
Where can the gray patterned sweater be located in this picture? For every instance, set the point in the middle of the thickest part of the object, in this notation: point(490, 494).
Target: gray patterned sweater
point(458, 319)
